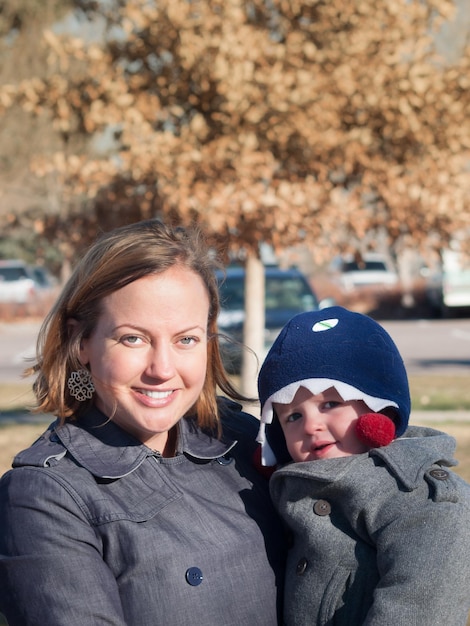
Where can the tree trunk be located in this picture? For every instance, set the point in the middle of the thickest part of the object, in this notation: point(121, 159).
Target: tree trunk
point(253, 333)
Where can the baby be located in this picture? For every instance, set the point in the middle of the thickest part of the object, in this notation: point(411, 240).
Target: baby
point(379, 524)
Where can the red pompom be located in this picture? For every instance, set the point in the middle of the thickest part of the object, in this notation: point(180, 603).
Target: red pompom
point(375, 429)
point(264, 470)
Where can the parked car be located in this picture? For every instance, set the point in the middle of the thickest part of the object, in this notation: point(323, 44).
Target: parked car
point(448, 290)
point(17, 283)
point(43, 277)
point(287, 292)
point(370, 270)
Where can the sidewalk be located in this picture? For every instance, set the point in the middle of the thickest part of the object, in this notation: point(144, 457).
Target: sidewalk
point(441, 417)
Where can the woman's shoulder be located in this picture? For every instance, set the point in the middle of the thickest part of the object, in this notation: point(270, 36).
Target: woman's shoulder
point(42, 474)
point(46, 450)
point(93, 445)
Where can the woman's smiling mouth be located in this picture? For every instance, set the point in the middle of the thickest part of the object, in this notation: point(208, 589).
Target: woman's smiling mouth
point(155, 395)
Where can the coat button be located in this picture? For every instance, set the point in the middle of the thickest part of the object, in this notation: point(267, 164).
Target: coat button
point(439, 474)
point(224, 460)
point(301, 566)
point(322, 507)
point(194, 576)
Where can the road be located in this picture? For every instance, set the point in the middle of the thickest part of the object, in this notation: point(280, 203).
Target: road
point(427, 346)
point(18, 343)
point(433, 346)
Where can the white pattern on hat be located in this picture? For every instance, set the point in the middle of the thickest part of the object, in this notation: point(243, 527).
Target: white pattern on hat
point(328, 324)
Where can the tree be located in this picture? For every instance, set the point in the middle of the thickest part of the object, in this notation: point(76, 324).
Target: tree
point(265, 122)
point(260, 117)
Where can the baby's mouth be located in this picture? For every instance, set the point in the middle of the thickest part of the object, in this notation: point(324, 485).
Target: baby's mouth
point(322, 445)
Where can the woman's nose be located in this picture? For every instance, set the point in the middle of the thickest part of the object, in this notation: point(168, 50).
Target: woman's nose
point(160, 363)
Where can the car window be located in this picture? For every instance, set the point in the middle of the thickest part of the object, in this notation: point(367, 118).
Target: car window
point(288, 293)
point(232, 293)
point(41, 277)
point(281, 293)
point(371, 266)
point(10, 274)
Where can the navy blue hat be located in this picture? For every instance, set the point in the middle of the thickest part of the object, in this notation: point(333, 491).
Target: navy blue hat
point(337, 348)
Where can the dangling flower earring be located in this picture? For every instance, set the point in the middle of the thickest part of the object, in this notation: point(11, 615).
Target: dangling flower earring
point(81, 385)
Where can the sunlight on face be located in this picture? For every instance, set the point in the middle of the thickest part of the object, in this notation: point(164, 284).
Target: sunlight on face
point(320, 426)
point(148, 353)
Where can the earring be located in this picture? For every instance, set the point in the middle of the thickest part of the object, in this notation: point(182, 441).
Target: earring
point(81, 385)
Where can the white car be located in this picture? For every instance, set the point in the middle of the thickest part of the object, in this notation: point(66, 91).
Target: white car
point(371, 270)
point(17, 284)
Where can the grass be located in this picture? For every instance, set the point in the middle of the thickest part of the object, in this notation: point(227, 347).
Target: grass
point(440, 392)
point(15, 397)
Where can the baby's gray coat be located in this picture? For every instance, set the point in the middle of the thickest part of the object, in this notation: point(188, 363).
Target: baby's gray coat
point(379, 539)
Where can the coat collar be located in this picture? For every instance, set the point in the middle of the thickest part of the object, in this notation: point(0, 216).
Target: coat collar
point(407, 458)
point(411, 455)
point(104, 449)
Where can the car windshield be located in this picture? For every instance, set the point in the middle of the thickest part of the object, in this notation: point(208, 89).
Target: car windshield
point(370, 266)
point(10, 274)
point(289, 293)
point(281, 293)
point(232, 294)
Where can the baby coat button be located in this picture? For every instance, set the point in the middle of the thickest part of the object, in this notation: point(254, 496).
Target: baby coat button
point(322, 507)
point(301, 566)
point(194, 576)
point(439, 474)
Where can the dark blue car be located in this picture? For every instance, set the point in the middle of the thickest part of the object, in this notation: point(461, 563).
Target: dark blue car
point(287, 292)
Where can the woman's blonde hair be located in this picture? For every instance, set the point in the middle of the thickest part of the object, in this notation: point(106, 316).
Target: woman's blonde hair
point(116, 259)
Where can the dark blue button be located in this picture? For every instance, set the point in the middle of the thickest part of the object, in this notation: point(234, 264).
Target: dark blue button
point(223, 460)
point(194, 576)
point(301, 566)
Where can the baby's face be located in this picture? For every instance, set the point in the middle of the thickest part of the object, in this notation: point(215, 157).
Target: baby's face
point(321, 426)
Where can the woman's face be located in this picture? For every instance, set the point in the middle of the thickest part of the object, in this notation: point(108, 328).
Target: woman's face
point(148, 353)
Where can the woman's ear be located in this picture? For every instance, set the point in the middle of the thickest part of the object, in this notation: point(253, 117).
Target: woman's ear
point(73, 328)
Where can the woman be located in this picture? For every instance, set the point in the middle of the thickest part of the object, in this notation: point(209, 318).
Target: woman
point(140, 504)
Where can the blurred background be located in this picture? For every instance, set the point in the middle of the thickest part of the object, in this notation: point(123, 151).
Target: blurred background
point(329, 139)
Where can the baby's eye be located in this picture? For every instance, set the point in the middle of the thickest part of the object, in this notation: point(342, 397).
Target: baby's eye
point(293, 417)
point(331, 404)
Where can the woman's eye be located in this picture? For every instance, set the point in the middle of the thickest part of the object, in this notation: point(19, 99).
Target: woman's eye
point(293, 417)
point(187, 341)
point(131, 340)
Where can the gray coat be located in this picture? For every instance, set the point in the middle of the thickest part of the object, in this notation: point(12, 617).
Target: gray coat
point(379, 539)
point(96, 528)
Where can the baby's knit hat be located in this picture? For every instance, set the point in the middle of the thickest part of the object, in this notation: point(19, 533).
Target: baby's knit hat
point(337, 348)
